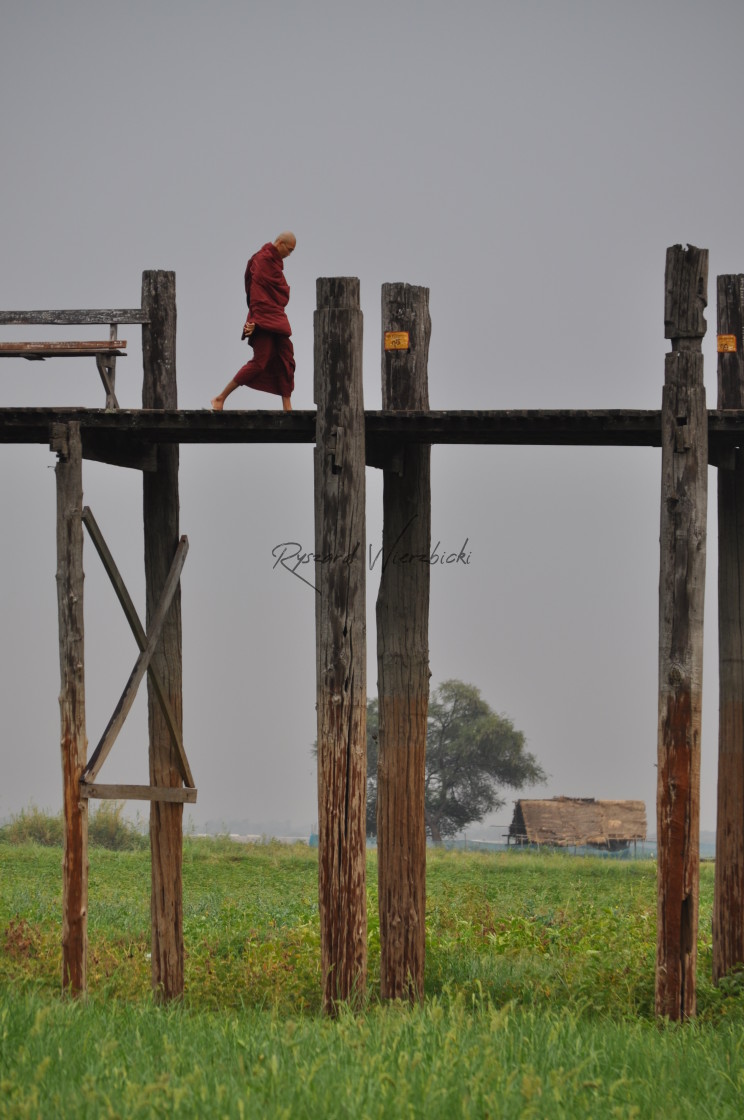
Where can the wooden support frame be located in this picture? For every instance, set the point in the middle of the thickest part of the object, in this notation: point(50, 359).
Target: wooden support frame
point(684, 475)
point(161, 520)
point(140, 637)
point(340, 629)
point(728, 904)
point(67, 443)
point(403, 656)
point(141, 665)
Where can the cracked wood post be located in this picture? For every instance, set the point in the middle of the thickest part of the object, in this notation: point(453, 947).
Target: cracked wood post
point(728, 905)
point(684, 473)
point(403, 656)
point(161, 519)
point(67, 443)
point(341, 640)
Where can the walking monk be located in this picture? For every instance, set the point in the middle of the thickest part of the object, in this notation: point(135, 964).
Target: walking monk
point(267, 327)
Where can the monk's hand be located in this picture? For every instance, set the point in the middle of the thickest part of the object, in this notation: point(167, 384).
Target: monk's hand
point(248, 329)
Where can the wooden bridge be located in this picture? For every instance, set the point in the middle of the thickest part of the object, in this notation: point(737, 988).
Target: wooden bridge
point(397, 439)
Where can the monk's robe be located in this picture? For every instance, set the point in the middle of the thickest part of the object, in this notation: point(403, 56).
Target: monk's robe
point(267, 294)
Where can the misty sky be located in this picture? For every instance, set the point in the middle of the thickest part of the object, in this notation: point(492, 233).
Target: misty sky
point(530, 163)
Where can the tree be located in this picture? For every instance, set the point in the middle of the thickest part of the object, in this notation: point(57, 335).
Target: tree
point(471, 752)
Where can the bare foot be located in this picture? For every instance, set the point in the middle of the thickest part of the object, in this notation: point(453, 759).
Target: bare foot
point(286, 404)
point(217, 404)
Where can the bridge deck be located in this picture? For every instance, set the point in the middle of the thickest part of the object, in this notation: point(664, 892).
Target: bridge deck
point(566, 427)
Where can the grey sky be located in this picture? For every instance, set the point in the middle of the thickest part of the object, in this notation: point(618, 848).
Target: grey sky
point(530, 163)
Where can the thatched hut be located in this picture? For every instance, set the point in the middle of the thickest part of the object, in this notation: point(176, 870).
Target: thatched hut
point(568, 822)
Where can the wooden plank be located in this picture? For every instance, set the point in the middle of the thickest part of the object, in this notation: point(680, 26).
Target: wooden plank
point(140, 638)
point(72, 318)
point(161, 528)
point(403, 657)
point(41, 350)
point(171, 794)
point(154, 632)
point(340, 627)
point(66, 442)
point(684, 473)
point(728, 904)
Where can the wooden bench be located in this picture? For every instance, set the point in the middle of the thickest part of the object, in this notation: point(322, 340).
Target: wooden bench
point(105, 351)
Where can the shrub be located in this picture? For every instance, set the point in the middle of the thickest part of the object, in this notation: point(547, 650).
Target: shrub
point(107, 828)
point(34, 826)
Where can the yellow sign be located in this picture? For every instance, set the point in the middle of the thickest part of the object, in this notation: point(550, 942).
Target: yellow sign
point(727, 344)
point(396, 340)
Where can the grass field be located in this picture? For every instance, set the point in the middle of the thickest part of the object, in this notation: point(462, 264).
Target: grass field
point(539, 997)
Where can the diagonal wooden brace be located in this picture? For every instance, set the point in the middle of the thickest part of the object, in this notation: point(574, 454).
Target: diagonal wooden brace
point(106, 364)
point(140, 638)
point(122, 709)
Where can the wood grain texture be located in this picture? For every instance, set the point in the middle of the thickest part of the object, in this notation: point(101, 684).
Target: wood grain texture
point(72, 318)
point(73, 742)
point(684, 470)
point(61, 349)
point(341, 641)
point(728, 905)
point(161, 521)
point(137, 793)
point(403, 658)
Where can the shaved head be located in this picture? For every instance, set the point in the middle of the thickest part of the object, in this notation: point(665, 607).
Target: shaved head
point(285, 243)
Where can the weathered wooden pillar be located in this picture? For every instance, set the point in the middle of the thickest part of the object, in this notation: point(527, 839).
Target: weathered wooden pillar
point(73, 741)
point(403, 652)
point(341, 640)
point(728, 906)
point(684, 474)
point(161, 523)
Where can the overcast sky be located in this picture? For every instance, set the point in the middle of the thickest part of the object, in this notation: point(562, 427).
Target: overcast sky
point(530, 163)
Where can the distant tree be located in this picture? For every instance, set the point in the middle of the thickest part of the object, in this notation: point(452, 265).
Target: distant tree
point(471, 753)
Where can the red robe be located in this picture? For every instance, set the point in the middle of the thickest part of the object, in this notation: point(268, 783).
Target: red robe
point(267, 293)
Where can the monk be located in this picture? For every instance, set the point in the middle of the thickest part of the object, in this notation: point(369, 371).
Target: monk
point(267, 327)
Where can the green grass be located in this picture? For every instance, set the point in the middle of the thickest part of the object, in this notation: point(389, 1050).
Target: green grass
point(540, 981)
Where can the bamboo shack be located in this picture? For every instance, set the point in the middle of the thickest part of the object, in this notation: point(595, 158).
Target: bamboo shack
point(581, 822)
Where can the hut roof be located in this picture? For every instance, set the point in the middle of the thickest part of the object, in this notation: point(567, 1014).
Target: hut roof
point(568, 821)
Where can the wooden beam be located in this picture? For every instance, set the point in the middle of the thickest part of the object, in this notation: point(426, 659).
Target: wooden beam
point(174, 795)
point(42, 350)
point(684, 473)
point(140, 638)
point(340, 629)
point(161, 523)
point(403, 657)
point(579, 427)
point(66, 442)
point(72, 318)
point(119, 450)
point(728, 905)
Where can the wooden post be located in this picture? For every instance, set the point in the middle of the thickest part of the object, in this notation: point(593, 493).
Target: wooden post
point(161, 518)
point(728, 906)
point(684, 473)
point(67, 443)
point(403, 654)
point(341, 640)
